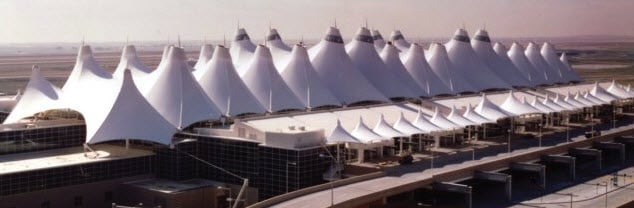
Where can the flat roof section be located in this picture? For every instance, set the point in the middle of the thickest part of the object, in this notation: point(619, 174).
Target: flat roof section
point(22, 162)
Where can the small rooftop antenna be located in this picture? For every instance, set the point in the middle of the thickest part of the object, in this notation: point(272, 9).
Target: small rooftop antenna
point(335, 22)
point(224, 40)
point(366, 23)
point(83, 40)
point(179, 40)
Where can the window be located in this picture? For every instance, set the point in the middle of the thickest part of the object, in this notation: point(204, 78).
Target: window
point(79, 201)
point(45, 204)
point(108, 196)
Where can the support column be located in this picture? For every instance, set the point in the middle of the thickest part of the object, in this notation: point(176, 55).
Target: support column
point(496, 177)
point(562, 159)
point(576, 152)
point(605, 146)
point(531, 167)
point(455, 188)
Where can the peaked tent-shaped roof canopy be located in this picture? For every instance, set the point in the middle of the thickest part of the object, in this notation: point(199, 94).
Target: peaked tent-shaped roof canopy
point(443, 68)
point(399, 40)
point(502, 52)
point(176, 94)
point(534, 56)
point(241, 50)
point(470, 114)
point(393, 62)
point(418, 68)
point(264, 81)
point(87, 74)
point(559, 101)
point(456, 118)
point(126, 114)
point(541, 107)
point(379, 42)
point(130, 60)
point(481, 44)
point(403, 125)
point(338, 72)
point(39, 95)
point(206, 52)
point(385, 130)
point(599, 92)
point(224, 87)
point(489, 110)
point(366, 59)
point(571, 100)
point(568, 73)
point(550, 56)
point(592, 98)
point(512, 104)
point(579, 98)
point(549, 103)
point(423, 123)
point(304, 81)
point(365, 134)
point(517, 56)
point(618, 91)
point(340, 135)
point(279, 50)
point(441, 121)
point(466, 62)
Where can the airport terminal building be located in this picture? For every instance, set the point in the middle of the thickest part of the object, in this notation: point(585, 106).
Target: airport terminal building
point(249, 122)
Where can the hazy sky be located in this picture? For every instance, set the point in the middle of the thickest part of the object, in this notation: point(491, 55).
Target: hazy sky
point(113, 20)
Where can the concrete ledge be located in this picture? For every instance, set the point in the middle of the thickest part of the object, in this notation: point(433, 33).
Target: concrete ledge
point(308, 190)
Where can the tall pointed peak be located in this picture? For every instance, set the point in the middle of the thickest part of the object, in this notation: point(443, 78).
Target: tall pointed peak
point(177, 53)
point(221, 52)
point(482, 35)
point(461, 35)
point(396, 35)
point(363, 35)
point(129, 51)
point(262, 51)
point(376, 35)
point(84, 51)
point(299, 51)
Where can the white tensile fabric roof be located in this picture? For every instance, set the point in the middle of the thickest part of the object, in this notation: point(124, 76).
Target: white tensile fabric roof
point(569, 73)
point(379, 42)
point(86, 76)
point(365, 57)
point(365, 134)
point(424, 124)
point(384, 129)
point(550, 56)
point(166, 52)
point(176, 94)
point(393, 62)
point(338, 72)
point(403, 125)
point(592, 98)
point(241, 49)
point(39, 95)
point(125, 114)
point(466, 62)
point(618, 90)
point(517, 56)
point(225, 88)
point(340, 135)
point(456, 118)
point(549, 102)
point(470, 114)
point(502, 52)
point(130, 60)
point(264, 81)
point(535, 58)
point(489, 110)
point(512, 104)
point(279, 50)
point(206, 52)
point(584, 100)
point(399, 40)
point(304, 81)
point(599, 92)
point(443, 68)
point(572, 101)
point(541, 107)
point(560, 101)
point(481, 44)
point(441, 121)
point(418, 68)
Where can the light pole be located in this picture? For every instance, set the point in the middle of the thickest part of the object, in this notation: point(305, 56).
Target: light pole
point(540, 134)
point(508, 142)
point(230, 198)
point(288, 163)
point(614, 116)
point(606, 191)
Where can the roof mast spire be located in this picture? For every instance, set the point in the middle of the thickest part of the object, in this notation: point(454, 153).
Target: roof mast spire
point(127, 39)
point(335, 22)
point(366, 23)
point(179, 40)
